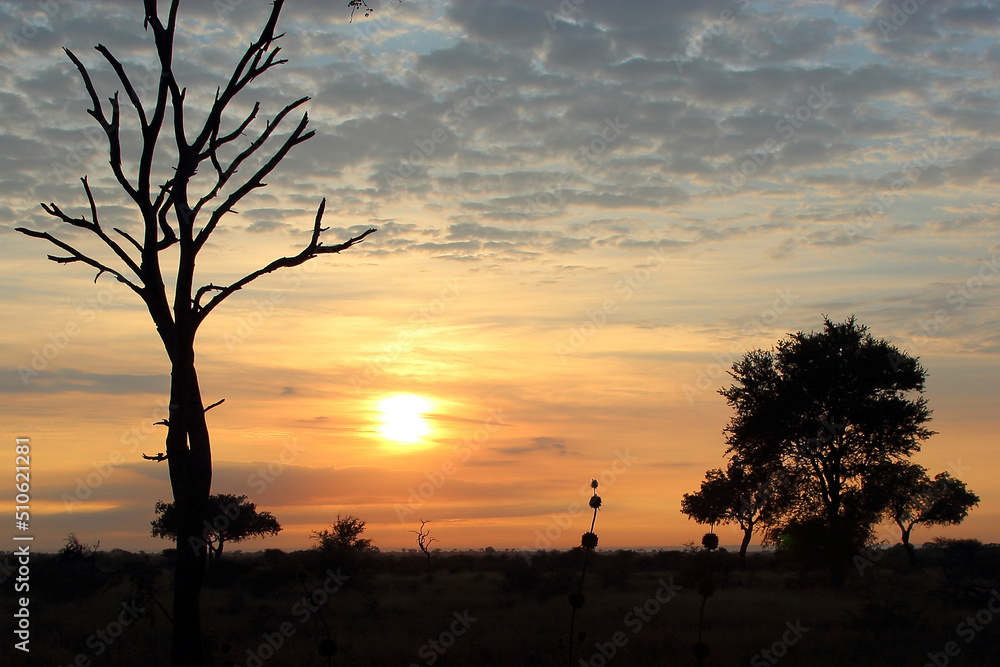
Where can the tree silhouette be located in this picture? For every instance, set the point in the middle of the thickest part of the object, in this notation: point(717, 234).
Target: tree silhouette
point(344, 537)
point(745, 496)
point(915, 499)
point(181, 214)
point(424, 541)
point(833, 408)
point(228, 518)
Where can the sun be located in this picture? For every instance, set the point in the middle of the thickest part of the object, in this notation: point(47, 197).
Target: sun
point(401, 418)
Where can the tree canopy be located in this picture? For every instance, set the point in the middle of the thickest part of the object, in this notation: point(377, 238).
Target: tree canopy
point(344, 537)
point(741, 495)
point(915, 499)
point(228, 518)
point(820, 442)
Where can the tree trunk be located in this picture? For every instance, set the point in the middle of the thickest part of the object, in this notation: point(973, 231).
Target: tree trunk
point(190, 462)
point(217, 551)
point(910, 550)
point(747, 535)
point(839, 552)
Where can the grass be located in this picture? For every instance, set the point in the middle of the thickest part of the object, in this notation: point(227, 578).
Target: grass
point(388, 612)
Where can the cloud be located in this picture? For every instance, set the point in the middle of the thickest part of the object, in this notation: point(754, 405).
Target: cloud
point(61, 380)
point(539, 444)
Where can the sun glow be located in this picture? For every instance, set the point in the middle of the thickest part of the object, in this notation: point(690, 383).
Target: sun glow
point(401, 418)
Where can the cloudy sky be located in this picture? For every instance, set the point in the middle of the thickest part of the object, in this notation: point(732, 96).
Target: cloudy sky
point(586, 212)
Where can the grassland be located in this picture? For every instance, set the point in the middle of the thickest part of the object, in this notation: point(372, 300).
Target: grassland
point(497, 609)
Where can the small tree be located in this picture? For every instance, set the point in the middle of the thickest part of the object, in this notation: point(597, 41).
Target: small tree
point(344, 537)
point(74, 549)
point(746, 496)
point(915, 499)
point(228, 518)
point(424, 541)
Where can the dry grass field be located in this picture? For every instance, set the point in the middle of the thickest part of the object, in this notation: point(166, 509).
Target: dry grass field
point(274, 608)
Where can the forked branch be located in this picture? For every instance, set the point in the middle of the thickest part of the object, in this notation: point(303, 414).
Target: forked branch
point(94, 225)
point(77, 256)
point(313, 248)
point(424, 540)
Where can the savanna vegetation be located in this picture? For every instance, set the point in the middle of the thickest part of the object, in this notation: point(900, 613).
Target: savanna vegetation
point(819, 454)
point(91, 607)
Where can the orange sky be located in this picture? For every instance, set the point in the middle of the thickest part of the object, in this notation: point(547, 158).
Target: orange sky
point(566, 319)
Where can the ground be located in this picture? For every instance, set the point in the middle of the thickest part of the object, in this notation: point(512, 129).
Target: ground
point(274, 608)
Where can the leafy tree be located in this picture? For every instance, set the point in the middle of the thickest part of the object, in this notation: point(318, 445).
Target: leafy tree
point(228, 518)
point(179, 216)
point(914, 499)
point(831, 407)
point(740, 495)
point(344, 537)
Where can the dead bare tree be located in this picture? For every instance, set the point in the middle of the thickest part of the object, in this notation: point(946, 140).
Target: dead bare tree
point(424, 541)
point(176, 213)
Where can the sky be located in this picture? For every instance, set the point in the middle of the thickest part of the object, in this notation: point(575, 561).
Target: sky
point(586, 211)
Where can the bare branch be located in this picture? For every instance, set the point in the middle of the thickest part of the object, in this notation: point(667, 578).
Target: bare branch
point(248, 69)
point(297, 136)
point(226, 174)
point(111, 127)
point(219, 141)
point(315, 247)
point(98, 111)
point(94, 226)
point(128, 237)
point(218, 402)
point(202, 291)
point(77, 256)
point(129, 89)
point(164, 202)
